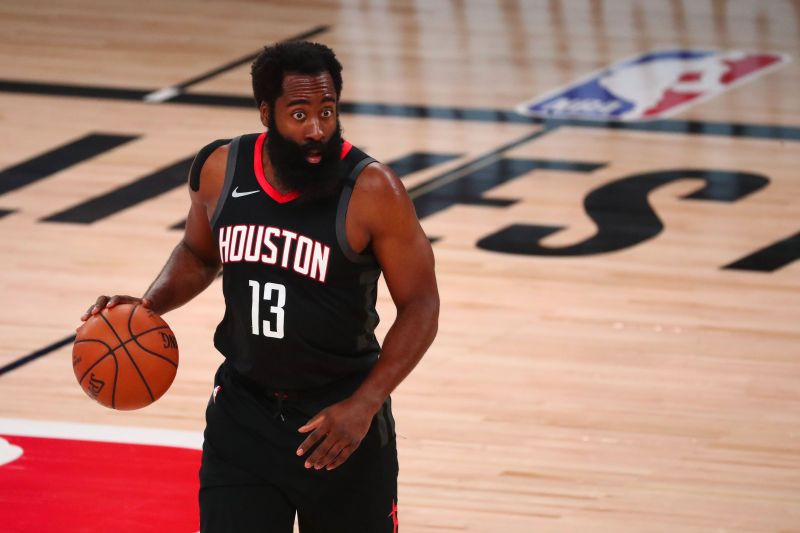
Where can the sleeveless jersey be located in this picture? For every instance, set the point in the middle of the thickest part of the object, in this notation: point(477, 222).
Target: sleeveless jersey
point(299, 301)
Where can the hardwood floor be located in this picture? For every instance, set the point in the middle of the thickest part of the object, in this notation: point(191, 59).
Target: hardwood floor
point(617, 350)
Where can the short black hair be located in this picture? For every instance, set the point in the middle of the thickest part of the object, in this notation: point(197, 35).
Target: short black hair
point(297, 57)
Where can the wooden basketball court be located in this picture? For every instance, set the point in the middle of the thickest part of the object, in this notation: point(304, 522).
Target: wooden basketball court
point(619, 343)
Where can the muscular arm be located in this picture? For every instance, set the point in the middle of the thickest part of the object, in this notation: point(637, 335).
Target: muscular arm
point(383, 215)
point(194, 263)
point(191, 267)
point(406, 258)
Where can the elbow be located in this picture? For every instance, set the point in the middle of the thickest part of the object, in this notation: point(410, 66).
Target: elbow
point(209, 263)
point(430, 310)
point(435, 313)
point(422, 315)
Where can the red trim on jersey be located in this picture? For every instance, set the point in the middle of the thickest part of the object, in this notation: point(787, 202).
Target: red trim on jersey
point(345, 148)
point(258, 166)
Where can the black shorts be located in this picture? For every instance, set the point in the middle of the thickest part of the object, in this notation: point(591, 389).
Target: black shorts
point(251, 479)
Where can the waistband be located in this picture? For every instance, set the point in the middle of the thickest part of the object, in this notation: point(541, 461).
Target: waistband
point(335, 391)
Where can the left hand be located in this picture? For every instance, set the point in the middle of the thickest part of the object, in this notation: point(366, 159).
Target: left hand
point(341, 428)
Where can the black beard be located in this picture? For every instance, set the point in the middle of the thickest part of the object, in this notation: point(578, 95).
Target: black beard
point(314, 182)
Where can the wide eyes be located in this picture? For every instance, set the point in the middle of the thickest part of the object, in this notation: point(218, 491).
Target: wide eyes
point(301, 115)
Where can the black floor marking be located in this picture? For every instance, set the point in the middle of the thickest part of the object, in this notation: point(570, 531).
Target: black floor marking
point(775, 256)
point(723, 129)
point(37, 354)
point(416, 161)
point(621, 212)
point(469, 189)
point(143, 189)
point(58, 159)
point(5, 212)
point(66, 89)
point(479, 162)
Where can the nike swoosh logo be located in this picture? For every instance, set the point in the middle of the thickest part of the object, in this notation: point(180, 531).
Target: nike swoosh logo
point(237, 194)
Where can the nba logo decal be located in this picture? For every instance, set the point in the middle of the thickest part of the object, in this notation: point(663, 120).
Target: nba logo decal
point(653, 85)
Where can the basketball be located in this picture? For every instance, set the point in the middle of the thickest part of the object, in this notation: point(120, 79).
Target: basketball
point(125, 357)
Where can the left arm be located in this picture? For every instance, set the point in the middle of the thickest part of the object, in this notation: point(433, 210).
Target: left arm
point(384, 216)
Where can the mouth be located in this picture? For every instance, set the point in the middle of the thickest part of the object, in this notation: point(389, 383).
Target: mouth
point(314, 157)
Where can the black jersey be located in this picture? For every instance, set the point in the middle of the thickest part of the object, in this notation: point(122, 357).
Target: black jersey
point(299, 301)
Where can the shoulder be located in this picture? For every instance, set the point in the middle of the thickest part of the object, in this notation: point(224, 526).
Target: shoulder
point(378, 181)
point(207, 173)
point(209, 160)
point(215, 163)
point(380, 199)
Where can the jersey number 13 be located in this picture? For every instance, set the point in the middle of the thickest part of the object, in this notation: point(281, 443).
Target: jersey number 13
point(270, 328)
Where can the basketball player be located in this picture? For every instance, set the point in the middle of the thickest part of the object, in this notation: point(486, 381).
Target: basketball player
point(301, 223)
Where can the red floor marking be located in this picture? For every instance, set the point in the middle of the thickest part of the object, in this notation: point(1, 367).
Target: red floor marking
point(74, 486)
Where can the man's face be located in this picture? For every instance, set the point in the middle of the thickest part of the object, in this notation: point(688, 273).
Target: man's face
point(304, 141)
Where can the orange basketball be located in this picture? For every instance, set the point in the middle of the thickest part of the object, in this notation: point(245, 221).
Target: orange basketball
point(125, 357)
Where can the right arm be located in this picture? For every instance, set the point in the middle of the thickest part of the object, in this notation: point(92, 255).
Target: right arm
point(194, 263)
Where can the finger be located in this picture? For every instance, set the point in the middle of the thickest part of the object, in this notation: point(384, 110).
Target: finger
point(332, 453)
point(98, 305)
point(322, 450)
point(312, 424)
point(310, 441)
point(146, 302)
point(343, 456)
point(115, 300)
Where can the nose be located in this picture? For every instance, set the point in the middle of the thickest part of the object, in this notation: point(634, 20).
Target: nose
point(314, 131)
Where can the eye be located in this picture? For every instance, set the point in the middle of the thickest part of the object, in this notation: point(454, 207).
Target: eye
point(327, 113)
point(298, 115)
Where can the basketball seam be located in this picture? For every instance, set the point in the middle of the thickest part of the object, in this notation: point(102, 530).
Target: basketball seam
point(109, 352)
point(133, 361)
point(116, 363)
point(116, 374)
point(135, 338)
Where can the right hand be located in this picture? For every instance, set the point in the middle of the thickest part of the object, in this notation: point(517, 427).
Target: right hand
point(105, 302)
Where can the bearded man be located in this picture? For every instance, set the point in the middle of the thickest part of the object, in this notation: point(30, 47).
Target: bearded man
point(302, 224)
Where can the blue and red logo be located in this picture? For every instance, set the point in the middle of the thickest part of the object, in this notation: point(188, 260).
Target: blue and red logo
point(653, 85)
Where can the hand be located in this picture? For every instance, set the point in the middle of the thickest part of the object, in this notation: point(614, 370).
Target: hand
point(108, 303)
point(340, 428)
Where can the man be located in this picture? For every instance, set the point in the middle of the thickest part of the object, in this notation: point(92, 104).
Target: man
point(301, 223)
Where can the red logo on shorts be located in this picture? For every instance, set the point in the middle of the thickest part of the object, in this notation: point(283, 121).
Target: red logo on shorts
point(393, 516)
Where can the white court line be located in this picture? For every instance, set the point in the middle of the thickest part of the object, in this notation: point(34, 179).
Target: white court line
point(162, 94)
point(101, 433)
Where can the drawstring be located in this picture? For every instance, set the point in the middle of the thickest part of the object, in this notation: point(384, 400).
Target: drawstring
point(280, 396)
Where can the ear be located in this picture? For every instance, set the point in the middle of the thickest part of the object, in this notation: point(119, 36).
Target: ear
point(263, 110)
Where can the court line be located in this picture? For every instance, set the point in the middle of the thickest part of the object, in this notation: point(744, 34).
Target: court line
point(476, 164)
point(37, 354)
point(53, 429)
point(691, 127)
point(168, 93)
